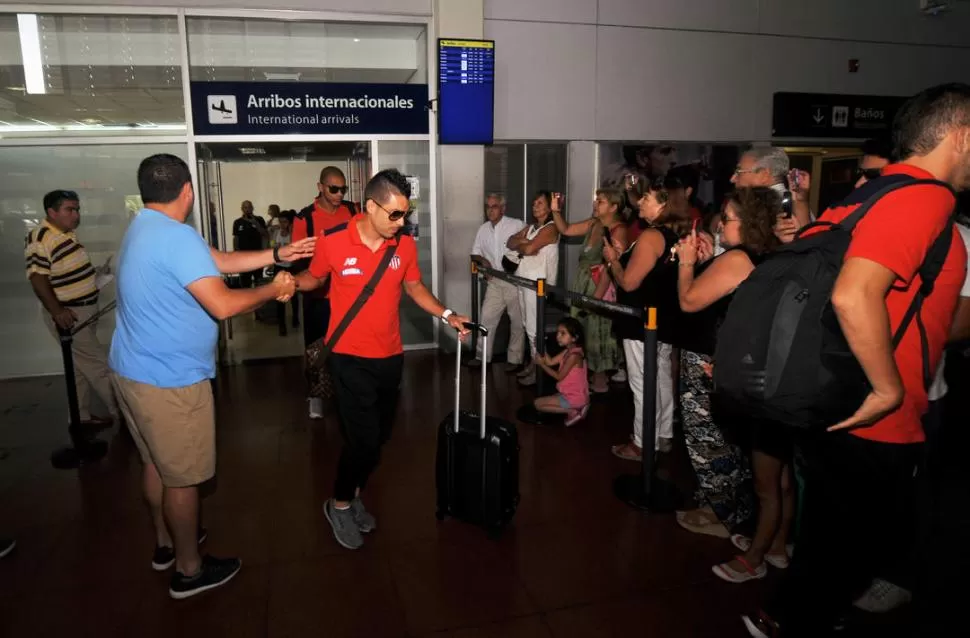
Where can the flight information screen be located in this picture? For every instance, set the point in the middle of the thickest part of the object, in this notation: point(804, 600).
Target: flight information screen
point(466, 91)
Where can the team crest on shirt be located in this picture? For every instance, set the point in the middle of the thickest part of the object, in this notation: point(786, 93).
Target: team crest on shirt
point(395, 262)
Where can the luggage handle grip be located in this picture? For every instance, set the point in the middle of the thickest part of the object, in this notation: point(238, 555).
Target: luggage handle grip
point(484, 332)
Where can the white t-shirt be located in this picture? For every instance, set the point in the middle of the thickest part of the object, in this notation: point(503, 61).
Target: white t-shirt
point(490, 240)
point(938, 389)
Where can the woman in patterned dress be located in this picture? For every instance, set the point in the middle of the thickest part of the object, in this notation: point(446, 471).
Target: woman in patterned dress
point(601, 345)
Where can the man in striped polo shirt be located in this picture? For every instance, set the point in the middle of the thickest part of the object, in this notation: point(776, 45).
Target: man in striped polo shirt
point(63, 278)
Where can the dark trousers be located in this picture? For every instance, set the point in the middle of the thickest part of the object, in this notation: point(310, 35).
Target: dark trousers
point(366, 392)
point(316, 318)
point(247, 279)
point(857, 515)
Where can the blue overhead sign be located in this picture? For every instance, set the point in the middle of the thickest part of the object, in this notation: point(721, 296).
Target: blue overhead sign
point(280, 108)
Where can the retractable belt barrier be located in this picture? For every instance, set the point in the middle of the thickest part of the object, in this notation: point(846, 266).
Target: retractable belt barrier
point(85, 446)
point(645, 491)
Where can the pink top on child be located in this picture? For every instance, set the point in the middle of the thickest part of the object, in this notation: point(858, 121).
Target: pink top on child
point(575, 386)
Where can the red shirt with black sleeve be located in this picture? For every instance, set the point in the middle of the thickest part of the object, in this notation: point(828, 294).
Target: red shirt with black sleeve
point(375, 333)
point(897, 233)
point(323, 220)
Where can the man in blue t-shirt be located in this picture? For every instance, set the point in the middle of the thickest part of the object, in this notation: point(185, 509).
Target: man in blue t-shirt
point(170, 295)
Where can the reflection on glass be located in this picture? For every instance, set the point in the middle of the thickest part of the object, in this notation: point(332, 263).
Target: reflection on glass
point(105, 180)
point(252, 50)
point(81, 74)
point(413, 159)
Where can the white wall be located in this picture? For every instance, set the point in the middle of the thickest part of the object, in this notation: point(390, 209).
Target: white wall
point(461, 179)
point(704, 69)
point(289, 184)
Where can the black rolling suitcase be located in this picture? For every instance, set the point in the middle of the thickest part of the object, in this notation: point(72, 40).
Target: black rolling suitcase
point(477, 462)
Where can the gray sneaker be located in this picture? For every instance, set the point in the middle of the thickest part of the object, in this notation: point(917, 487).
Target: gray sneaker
point(344, 526)
point(366, 522)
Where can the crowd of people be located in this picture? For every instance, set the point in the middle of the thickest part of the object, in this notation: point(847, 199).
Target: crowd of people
point(807, 502)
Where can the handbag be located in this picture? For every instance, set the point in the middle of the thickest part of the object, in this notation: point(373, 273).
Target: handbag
point(318, 377)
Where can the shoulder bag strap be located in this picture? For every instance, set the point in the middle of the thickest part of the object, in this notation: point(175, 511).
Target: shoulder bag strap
point(358, 303)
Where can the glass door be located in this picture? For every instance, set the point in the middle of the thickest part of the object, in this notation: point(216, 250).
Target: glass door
point(412, 157)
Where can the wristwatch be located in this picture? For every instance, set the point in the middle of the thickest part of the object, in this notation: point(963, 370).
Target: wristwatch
point(276, 255)
point(444, 316)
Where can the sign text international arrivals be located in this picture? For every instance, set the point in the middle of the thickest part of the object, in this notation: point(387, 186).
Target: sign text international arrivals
point(279, 108)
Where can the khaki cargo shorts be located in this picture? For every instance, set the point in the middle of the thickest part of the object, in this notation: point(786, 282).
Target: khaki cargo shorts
point(173, 428)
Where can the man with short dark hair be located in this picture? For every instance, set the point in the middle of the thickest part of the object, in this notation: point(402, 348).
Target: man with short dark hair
point(61, 274)
point(858, 508)
point(170, 295)
point(330, 208)
point(367, 361)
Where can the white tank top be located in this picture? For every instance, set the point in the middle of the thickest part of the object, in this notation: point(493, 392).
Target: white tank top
point(542, 265)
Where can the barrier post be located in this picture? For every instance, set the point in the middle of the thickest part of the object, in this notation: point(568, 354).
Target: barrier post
point(528, 413)
point(646, 491)
point(540, 334)
point(476, 310)
point(84, 448)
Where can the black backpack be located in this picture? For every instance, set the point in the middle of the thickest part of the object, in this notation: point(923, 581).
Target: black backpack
point(781, 355)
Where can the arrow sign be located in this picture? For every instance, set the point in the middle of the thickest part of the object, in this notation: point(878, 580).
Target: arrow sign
point(818, 117)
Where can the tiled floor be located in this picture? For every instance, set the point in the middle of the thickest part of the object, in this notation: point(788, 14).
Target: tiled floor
point(576, 562)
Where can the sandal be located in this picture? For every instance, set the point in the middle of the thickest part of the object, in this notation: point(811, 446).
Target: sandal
point(575, 416)
point(761, 626)
point(724, 571)
point(778, 561)
point(702, 520)
point(627, 452)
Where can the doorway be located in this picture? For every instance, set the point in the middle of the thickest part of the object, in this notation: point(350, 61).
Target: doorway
point(285, 174)
point(832, 170)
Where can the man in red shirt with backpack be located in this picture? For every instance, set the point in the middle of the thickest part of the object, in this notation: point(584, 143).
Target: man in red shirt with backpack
point(859, 475)
point(329, 209)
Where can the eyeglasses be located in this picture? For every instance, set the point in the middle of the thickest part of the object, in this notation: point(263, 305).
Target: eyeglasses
point(336, 189)
point(395, 215)
point(868, 173)
point(741, 171)
point(725, 219)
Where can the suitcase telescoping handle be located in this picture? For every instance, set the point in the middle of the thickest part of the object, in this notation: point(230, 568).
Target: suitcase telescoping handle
point(484, 332)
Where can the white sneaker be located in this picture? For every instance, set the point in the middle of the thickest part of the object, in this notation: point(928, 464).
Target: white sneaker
point(619, 377)
point(316, 408)
point(882, 597)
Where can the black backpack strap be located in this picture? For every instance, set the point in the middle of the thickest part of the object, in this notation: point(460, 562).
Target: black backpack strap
point(928, 271)
point(869, 194)
point(362, 298)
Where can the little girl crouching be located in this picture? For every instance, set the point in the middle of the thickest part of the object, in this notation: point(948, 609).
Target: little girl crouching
point(568, 368)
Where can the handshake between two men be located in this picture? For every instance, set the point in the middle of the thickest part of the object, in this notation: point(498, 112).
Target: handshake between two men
point(284, 282)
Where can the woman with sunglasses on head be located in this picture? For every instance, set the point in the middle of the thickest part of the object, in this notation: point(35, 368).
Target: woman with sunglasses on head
point(644, 277)
point(607, 220)
point(329, 209)
point(747, 233)
point(538, 249)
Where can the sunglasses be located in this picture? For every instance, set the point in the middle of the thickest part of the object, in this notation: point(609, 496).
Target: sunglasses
point(337, 189)
point(395, 215)
point(868, 173)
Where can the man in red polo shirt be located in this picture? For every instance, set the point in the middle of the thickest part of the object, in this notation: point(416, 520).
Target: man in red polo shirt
point(367, 361)
point(858, 508)
point(329, 209)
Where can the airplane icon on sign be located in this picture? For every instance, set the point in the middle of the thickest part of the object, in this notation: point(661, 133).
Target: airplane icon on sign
point(221, 107)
